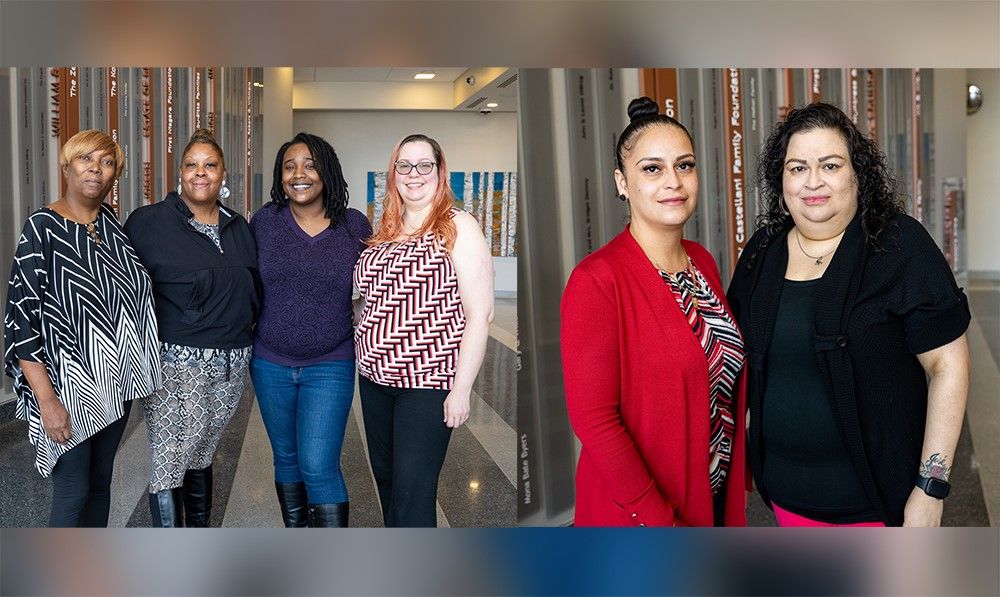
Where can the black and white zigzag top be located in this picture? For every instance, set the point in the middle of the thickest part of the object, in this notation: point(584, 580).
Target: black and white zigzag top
point(714, 327)
point(413, 319)
point(85, 311)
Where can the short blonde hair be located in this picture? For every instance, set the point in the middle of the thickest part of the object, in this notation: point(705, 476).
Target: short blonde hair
point(90, 141)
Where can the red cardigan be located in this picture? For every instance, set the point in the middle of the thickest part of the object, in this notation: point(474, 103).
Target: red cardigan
point(637, 392)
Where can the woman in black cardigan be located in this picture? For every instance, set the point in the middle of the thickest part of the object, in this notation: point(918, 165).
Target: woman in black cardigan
point(855, 336)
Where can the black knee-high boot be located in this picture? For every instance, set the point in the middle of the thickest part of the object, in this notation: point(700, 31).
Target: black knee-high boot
point(198, 496)
point(167, 508)
point(328, 515)
point(293, 500)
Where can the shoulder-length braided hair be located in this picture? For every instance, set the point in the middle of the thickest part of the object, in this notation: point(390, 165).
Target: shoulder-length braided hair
point(327, 164)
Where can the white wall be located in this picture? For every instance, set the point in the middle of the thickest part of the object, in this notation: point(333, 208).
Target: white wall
point(982, 197)
point(276, 105)
point(949, 123)
point(364, 141)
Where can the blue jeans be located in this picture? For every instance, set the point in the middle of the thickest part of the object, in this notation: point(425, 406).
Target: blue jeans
point(305, 413)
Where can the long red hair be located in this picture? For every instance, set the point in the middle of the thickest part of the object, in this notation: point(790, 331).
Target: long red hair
point(439, 221)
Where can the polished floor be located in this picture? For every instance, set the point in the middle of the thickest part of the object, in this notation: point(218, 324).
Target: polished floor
point(476, 487)
point(975, 475)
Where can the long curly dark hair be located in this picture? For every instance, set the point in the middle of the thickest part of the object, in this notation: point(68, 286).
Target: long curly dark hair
point(327, 163)
point(878, 198)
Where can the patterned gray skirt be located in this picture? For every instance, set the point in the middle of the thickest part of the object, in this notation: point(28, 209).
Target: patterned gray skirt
point(185, 419)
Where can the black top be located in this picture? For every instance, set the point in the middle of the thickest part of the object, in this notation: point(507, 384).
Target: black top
point(873, 312)
point(204, 297)
point(807, 469)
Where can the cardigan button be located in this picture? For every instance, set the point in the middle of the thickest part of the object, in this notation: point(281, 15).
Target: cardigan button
point(841, 341)
point(642, 524)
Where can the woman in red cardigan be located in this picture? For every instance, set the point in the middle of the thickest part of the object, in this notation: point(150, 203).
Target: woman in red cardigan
point(651, 355)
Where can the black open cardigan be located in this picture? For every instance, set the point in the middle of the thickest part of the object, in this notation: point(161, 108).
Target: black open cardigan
point(874, 311)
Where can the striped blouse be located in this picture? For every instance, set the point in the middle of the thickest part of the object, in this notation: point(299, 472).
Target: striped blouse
point(714, 327)
point(85, 310)
point(413, 320)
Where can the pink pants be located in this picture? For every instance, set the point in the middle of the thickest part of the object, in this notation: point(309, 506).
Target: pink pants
point(788, 519)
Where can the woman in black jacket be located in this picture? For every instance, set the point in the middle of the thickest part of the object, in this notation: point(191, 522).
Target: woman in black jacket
point(855, 336)
point(203, 262)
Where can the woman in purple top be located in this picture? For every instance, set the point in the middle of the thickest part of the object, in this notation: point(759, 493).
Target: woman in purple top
point(303, 365)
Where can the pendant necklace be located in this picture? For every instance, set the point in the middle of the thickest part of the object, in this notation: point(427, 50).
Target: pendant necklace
point(93, 233)
point(819, 260)
point(681, 282)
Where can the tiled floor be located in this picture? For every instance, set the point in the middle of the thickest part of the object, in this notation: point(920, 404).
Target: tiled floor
point(975, 477)
point(476, 487)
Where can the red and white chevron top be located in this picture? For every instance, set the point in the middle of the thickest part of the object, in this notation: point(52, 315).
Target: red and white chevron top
point(413, 319)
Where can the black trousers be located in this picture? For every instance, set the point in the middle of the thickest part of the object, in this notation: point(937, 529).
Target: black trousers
point(81, 479)
point(407, 443)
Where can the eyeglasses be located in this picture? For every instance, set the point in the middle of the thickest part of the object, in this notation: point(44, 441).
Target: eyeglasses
point(405, 168)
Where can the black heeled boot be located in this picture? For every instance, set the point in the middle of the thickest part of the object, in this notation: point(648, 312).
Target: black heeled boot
point(328, 515)
point(293, 500)
point(198, 497)
point(167, 508)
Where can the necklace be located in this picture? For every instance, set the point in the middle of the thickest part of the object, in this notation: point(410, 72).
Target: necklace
point(819, 260)
point(686, 282)
point(93, 233)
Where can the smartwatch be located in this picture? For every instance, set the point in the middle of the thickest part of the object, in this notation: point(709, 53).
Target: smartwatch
point(936, 488)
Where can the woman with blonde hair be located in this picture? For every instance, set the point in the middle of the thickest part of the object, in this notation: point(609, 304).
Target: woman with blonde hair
point(80, 332)
point(427, 281)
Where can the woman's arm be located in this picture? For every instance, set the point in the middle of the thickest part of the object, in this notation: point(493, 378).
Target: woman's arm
point(23, 328)
point(947, 369)
point(474, 268)
point(589, 342)
point(55, 417)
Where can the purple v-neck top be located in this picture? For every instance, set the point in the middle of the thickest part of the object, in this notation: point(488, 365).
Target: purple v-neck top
point(307, 280)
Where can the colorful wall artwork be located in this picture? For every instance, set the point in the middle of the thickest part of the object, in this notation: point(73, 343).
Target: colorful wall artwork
point(489, 196)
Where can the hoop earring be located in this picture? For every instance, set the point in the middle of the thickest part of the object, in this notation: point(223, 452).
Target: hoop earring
point(784, 208)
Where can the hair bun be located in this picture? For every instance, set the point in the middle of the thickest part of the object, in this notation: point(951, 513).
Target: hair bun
point(203, 135)
point(641, 108)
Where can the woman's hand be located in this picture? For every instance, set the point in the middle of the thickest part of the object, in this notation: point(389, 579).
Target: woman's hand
point(456, 408)
point(55, 420)
point(55, 417)
point(922, 510)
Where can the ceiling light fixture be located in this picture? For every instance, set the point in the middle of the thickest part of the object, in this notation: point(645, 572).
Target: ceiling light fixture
point(424, 76)
point(492, 105)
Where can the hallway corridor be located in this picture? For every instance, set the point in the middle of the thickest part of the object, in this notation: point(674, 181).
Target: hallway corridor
point(476, 487)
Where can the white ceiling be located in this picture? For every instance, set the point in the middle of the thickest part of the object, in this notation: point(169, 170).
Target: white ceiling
point(373, 75)
point(399, 82)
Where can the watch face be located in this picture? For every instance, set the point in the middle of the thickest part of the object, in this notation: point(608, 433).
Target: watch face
point(935, 487)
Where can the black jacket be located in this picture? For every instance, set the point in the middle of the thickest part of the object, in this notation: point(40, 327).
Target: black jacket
point(204, 298)
point(874, 311)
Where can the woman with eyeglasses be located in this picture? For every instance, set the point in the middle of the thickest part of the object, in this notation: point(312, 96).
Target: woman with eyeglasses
point(427, 281)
